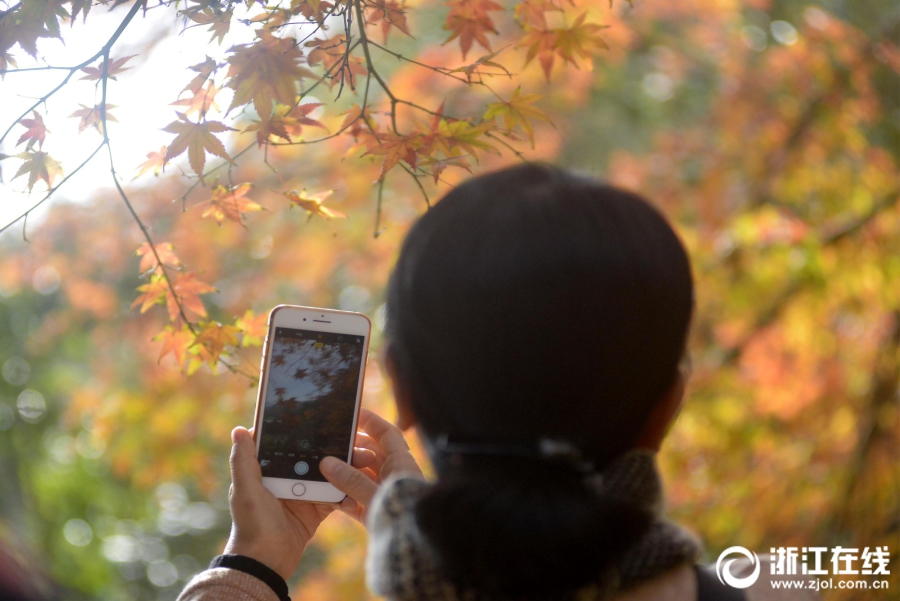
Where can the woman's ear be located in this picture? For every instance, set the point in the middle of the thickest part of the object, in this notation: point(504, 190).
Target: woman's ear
point(402, 392)
point(663, 415)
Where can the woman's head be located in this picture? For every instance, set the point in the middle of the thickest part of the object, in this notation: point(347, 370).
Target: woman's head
point(530, 303)
point(533, 302)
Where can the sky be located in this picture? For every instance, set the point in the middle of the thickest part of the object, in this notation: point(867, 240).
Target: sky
point(141, 95)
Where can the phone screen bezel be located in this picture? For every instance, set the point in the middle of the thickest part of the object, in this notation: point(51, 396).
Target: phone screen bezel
point(317, 320)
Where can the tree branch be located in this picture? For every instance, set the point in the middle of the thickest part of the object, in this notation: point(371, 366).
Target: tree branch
point(103, 52)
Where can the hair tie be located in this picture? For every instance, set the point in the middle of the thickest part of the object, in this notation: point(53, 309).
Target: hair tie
point(546, 448)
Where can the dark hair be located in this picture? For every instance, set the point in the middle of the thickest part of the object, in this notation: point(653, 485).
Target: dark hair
point(529, 303)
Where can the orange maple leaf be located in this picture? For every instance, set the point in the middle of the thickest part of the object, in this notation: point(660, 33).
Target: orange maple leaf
point(202, 100)
point(154, 292)
point(203, 70)
point(36, 131)
point(188, 288)
point(231, 203)
point(265, 72)
point(517, 111)
point(166, 253)
point(197, 139)
point(214, 337)
point(312, 204)
point(395, 148)
point(531, 13)
point(469, 21)
point(155, 161)
point(286, 122)
point(175, 341)
point(91, 117)
point(38, 165)
point(115, 67)
point(389, 14)
point(219, 21)
point(253, 328)
point(541, 43)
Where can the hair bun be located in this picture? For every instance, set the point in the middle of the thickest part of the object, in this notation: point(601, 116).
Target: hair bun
point(534, 530)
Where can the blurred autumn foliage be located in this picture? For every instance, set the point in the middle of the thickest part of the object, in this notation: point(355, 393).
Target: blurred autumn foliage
point(768, 130)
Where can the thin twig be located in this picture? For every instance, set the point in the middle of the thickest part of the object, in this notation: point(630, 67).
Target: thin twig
point(52, 190)
point(103, 52)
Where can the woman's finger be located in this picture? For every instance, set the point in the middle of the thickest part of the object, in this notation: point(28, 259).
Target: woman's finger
point(348, 479)
point(388, 436)
point(363, 458)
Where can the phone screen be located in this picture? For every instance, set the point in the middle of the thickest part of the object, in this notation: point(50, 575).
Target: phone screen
point(310, 400)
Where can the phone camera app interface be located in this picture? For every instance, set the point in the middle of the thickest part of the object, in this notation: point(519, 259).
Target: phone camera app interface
point(308, 414)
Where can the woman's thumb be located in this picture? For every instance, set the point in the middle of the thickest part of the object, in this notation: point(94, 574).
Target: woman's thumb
point(348, 480)
point(244, 466)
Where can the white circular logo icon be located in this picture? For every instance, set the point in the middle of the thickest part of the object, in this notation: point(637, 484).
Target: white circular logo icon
point(724, 571)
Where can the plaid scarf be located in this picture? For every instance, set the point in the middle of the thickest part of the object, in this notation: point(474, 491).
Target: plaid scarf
point(402, 566)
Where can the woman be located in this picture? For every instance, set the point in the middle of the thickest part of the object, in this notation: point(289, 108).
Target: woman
point(536, 324)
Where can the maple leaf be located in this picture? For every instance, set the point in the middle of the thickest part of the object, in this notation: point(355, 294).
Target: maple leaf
point(38, 165)
point(204, 70)
point(437, 166)
point(36, 131)
point(469, 21)
point(114, 68)
point(202, 100)
point(312, 204)
point(531, 13)
point(197, 139)
point(253, 328)
point(486, 60)
point(82, 6)
point(541, 43)
point(155, 161)
point(517, 111)
point(219, 22)
point(264, 73)
point(231, 203)
point(327, 51)
point(35, 19)
point(154, 292)
point(175, 341)
point(166, 253)
point(389, 14)
point(90, 117)
point(214, 337)
point(188, 288)
point(286, 122)
point(453, 136)
point(579, 40)
point(313, 10)
point(395, 148)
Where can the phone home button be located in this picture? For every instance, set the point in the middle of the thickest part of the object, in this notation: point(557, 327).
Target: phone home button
point(298, 489)
point(301, 467)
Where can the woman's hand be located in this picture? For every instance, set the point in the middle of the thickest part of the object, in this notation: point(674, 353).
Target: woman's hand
point(270, 530)
point(383, 452)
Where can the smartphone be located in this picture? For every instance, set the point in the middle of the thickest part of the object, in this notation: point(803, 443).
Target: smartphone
point(311, 380)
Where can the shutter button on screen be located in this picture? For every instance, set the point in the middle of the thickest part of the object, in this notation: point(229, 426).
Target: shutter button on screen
point(301, 467)
point(298, 489)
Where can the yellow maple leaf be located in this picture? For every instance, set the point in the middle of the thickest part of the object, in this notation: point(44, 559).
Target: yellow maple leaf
point(214, 337)
point(312, 203)
point(38, 165)
point(517, 111)
point(254, 328)
point(231, 203)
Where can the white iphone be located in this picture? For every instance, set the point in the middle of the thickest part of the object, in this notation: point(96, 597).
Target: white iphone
point(311, 380)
